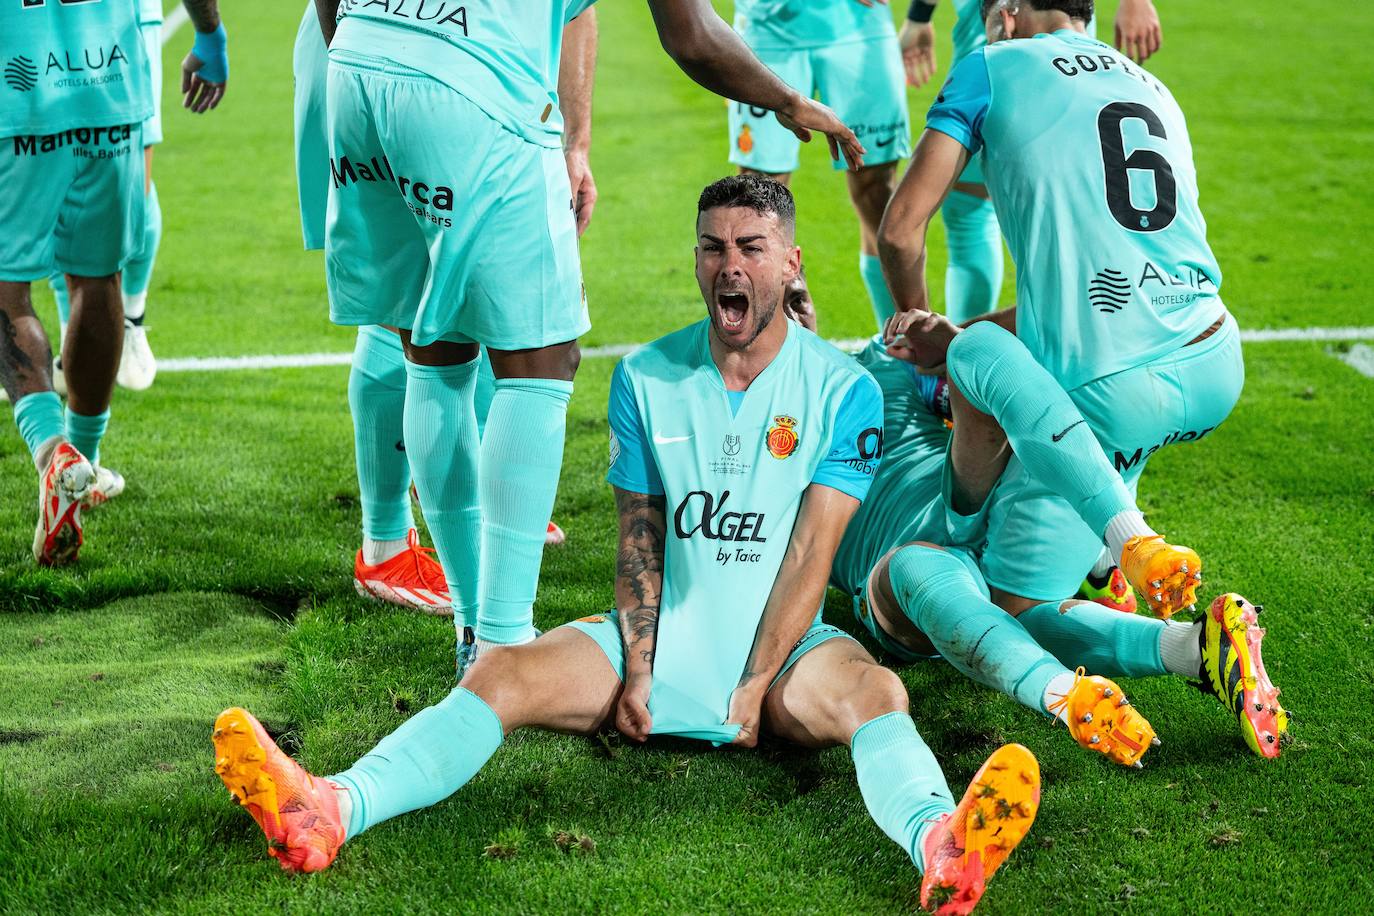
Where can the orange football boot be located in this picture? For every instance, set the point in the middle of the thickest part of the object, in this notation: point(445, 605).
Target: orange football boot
point(1101, 719)
point(63, 487)
point(412, 578)
point(296, 811)
point(966, 847)
point(1166, 575)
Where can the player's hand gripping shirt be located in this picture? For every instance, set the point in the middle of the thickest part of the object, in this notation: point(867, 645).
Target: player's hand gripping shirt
point(502, 54)
point(1090, 168)
point(780, 25)
point(72, 66)
point(733, 482)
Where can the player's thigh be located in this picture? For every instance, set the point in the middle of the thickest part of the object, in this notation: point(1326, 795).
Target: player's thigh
point(863, 81)
point(1037, 546)
point(562, 681)
point(34, 184)
point(376, 255)
point(757, 141)
point(829, 692)
point(100, 225)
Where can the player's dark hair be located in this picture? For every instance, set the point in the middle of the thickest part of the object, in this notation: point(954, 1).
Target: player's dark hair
point(762, 195)
point(1075, 9)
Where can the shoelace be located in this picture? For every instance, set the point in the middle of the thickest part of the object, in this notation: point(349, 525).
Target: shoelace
point(418, 555)
point(1063, 702)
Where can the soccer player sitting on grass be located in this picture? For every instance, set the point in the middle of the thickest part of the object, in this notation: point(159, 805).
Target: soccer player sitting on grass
point(741, 447)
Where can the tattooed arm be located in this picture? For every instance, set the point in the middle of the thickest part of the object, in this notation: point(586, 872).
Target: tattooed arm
point(638, 587)
point(797, 594)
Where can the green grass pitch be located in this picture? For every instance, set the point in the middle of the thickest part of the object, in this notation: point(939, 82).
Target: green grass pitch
point(222, 575)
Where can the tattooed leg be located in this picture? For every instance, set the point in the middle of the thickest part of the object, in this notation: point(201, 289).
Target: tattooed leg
point(25, 356)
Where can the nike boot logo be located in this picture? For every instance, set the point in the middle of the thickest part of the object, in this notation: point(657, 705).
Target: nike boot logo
point(1059, 436)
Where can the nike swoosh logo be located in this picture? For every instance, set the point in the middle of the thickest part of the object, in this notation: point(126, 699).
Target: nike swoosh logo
point(660, 439)
point(890, 140)
point(1059, 436)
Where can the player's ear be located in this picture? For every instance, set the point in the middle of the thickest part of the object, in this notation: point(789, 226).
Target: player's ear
point(793, 265)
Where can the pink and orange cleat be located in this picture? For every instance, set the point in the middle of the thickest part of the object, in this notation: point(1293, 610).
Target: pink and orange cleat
point(63, 487)
point(297, 812)
point(1233, 672)
point(966, 847)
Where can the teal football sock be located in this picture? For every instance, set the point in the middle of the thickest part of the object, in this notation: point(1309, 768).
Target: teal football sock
point(1102, 640)
point(522, 453)
point(486, 390)
point(940, 595)
point(973, 279)
point(999, 377)
point(900, 781)
point(377, 401)
point(138, 272)
point(85, 433)
point(441, 442)
point(58, 283)
point(423, 762)
point(871, 270)
point(39, 418)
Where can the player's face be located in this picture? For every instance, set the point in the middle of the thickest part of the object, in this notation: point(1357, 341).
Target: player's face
point(744, 259)
point(797, 304)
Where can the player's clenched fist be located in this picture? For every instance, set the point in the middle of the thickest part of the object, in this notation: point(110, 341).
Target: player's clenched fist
point(632, 717)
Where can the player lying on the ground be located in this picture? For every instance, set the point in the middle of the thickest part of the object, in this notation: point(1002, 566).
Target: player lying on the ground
point(451, 218)
point(911, 557)
point(741, 446)
point(391, 565)
point(1117, 289)
point(72, 169)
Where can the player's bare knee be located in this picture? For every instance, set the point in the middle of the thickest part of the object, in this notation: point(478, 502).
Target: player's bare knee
point(501, 676)
point(876, 692)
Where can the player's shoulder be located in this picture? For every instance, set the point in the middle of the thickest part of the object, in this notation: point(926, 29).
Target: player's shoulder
point(820, 355)
point(670, 356)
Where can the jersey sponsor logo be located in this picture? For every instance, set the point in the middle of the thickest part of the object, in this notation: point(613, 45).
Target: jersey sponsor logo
point(1109, 291)
point(435, 11)
point(86, 142)
point(660, 439)
point(21, 74)
point(782, 437)
point(868, 449)
point(1123, 463)
point(700, 513)
point(419, 195)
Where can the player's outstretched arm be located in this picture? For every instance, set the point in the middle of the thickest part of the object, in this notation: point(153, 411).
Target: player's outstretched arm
point(917, 42)
point(576, 74)
point(710, 52)
point(1138, 32)
point(328, 13)
point(205, 71)
point(638, 591)
point(935, 166)
point(798, 592)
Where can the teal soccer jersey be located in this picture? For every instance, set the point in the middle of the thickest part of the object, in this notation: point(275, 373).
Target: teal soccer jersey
point(71, 66)
point(733, 481)
point(776, 25)
point(1089, 165)
point(502, 55)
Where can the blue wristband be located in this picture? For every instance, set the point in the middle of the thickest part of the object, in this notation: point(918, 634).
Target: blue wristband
point(213, 50)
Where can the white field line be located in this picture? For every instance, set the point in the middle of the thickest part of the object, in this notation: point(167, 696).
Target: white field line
point(309, 360)
point(177, 18)
point(1360, 358)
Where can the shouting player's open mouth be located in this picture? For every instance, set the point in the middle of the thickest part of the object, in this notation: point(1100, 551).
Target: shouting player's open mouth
point(733, 308)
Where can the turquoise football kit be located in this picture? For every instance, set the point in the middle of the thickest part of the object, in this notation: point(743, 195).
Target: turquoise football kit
point(732, 476)
point(1117, 289)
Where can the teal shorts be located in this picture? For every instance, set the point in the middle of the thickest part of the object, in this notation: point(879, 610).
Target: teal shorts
point(863, 81)
point(310, 67)
point(863, 611)
point(1037, 545)
point(152, 41)
point(72, 202)
point(440, 220)
point(674, 708)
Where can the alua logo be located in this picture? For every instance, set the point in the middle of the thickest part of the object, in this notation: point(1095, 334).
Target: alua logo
point(21, 74)
point(85, 59)
point(715, 524)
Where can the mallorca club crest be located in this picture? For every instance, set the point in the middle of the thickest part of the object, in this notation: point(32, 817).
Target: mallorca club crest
point(746, 140)
point(782, 437)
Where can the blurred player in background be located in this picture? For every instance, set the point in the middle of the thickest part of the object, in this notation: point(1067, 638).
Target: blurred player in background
point(741, 446)
point(1089, 165)
point(845, 53)
point(451, 218)
point(72, 164)
point(973, 277)
point(391, 565)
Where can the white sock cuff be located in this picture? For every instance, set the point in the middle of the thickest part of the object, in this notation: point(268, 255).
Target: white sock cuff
point(135, 304)
point(1124, 526)
point(375, 552)
point(1180, 649)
